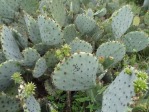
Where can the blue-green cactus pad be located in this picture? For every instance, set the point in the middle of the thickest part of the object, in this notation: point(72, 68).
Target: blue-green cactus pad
point(20, 39)
point(50, 31)
point(70, 33)
point(33, 29)
point(51, 58)
point(119, 93)
point(85, 24)
point(30, 6)
point(9, 45)
point(6, 11)
point(40, 67)
point(135, 41)
point(121, 21)
point(9, 104)
point(114, 49)
point(7, 69)
point(30, 57)
point(101, 13)
point(41, 48)
point(12, 89)
point(58, 11)
point(78, 72)
point(78, 45)
point(31, 105)
point(74, 5)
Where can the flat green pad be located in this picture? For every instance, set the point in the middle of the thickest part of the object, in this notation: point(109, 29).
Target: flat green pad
point(41, 48)
point(9, 45)
point(30, 57)
point(78, 45)
point(6, 11)
point(112, 49)
point(85, 24)
point(8, 104)
point(51, 59)
point(119, 93)
point(58, 12)
point(7, 69)
point(50, 31)
point(33, 29)
point(31, 105)
point(20, 39)
point(78, 72)
point(30, 6)
point(121, 21)
point(135, 41)
point(70, 33)
point(40, 67)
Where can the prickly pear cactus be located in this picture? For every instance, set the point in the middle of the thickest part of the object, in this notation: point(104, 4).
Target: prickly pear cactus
point(9, 104)
point(135, 41)
point(31, 105)
point(29, 6)
point(33, 29)
point(70, 33)
point(78, 45)
point(58, 11)
point(9, 45)
point(113, 49)
point(7, 69)
point(40, 67)
point(85, 24)
point(81, 74)
point(6, 12)
point(50, 31)
point(20, 39)
point(30, 57)
point(121, 21)
point(101, 13)
point(119, 93)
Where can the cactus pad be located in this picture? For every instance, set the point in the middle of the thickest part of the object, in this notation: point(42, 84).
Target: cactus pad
point(30, 57)
point(40, 67)
point(121, 21)
point(50, 31)
point(7, 69)
point(85, 24)
point(81, 74)
point(70, 33)
point(8, 104)
point(58, 11)
point(31, 105)
point(119, 93)
point(33, 29)
point(51, 59)
point(6, 11)
point(20, 39)
point(78, 45)
point(30, 6)
point(9, 45)
point(111, 49)
point(41, 48)
point(135, 41)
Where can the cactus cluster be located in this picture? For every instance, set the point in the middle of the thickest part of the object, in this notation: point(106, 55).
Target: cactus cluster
point(67, 45)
